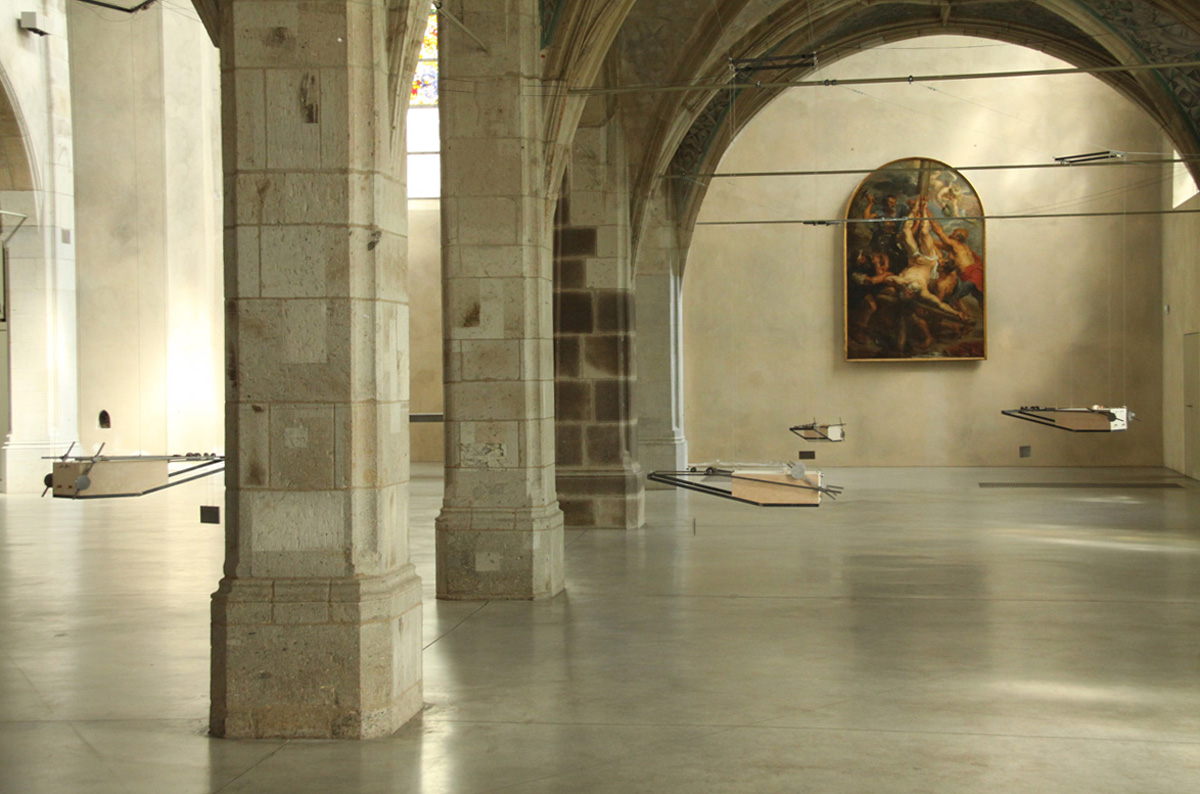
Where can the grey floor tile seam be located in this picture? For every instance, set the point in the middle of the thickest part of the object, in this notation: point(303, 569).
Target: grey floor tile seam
point(647, 750)
point(731, 526)
point(948, 675)
point(715, 726)
point(250, 768)
point(963, 599)
point(712, 729)
point(657, 747)
point(101, 761)
point(41, 698)
point(450, 630)
point(110, 721)
point(576, 539)
point(959, 670)
point(978, 734)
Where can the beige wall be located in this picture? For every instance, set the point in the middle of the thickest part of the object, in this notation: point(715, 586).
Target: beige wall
point(145, 91)
point(425, 327)
point(34, 74)
point(1181, 292)
point(1074, 315)
point(151, 326)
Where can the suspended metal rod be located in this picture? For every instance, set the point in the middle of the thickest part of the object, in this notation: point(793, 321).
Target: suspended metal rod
point(652, 88)
point(742, 65)
point(6, 237)
point(437, 4)
point(125, 9)
point(843, 221)
point(1090, 157)
point(906, 169)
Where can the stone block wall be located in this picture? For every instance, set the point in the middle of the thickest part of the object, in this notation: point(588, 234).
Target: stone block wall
point(596, 428)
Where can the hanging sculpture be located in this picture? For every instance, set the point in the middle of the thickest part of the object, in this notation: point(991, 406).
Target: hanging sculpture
point(761, 484)
point(1097, 419)
point(821, 432)
point(788, 484)
point(108, 476)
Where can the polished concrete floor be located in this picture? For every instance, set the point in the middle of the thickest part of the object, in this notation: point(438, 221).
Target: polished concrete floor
point(921, 634)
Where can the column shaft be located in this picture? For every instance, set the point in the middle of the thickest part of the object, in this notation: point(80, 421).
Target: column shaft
point(499, 534)
point(317, 622)
point(598, 476)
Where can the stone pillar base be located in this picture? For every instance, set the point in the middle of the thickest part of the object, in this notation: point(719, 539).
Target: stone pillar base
point(662, 455)
point(316, 658)
point(614, 499)
point(499, 554)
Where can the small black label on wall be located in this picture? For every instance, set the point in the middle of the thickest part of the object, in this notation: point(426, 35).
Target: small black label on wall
point(1026, 452)
point(210, 514)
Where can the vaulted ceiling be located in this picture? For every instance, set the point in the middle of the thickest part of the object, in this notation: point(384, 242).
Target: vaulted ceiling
point(674, 42)
point(614, 43)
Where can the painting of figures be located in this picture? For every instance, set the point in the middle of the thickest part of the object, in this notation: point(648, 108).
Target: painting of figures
point(915, 266)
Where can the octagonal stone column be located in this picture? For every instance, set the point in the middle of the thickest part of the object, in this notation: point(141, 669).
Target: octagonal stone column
point(316, 626)
point(499, 534)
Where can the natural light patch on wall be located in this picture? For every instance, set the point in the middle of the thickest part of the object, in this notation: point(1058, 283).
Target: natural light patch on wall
point(424, 160)
point(1184, 184)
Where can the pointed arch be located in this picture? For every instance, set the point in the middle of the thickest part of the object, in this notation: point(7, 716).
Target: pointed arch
point(690, 130)
point(16, 170)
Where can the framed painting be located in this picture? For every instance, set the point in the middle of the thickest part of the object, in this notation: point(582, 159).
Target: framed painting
point(915, 266)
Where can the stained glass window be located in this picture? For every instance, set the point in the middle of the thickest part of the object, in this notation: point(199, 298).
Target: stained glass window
point(425, 81)
point(424, 161)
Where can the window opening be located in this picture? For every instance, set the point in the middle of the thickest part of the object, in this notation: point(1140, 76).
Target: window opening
point(424, 160)
point(425, 81)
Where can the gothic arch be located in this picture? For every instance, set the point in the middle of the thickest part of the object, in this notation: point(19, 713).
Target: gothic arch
point(727, 113)
point(16, 170)
point(687, 131)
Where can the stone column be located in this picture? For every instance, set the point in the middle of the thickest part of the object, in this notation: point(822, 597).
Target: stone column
point(499, 534)
point(661, 441)
point(599, 479)
point(317, 623)
point(40, 321)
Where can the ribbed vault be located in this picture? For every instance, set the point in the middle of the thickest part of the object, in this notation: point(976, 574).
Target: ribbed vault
point(590, 43)
point(672, 42)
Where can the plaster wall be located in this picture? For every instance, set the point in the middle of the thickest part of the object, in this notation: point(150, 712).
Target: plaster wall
point(40, 327)
point(24, 59)
point(146, 102)
point(1181, 293)
point(1073, 304)
point(195, 282)
point(425, 328)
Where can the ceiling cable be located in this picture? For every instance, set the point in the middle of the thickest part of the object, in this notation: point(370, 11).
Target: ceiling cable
point(1014, 217)
point(1062, 163)
point(651, 88)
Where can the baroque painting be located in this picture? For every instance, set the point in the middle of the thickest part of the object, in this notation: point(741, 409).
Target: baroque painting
point(915, 266)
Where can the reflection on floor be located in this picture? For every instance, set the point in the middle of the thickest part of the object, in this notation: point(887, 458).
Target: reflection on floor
point(920, 634)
